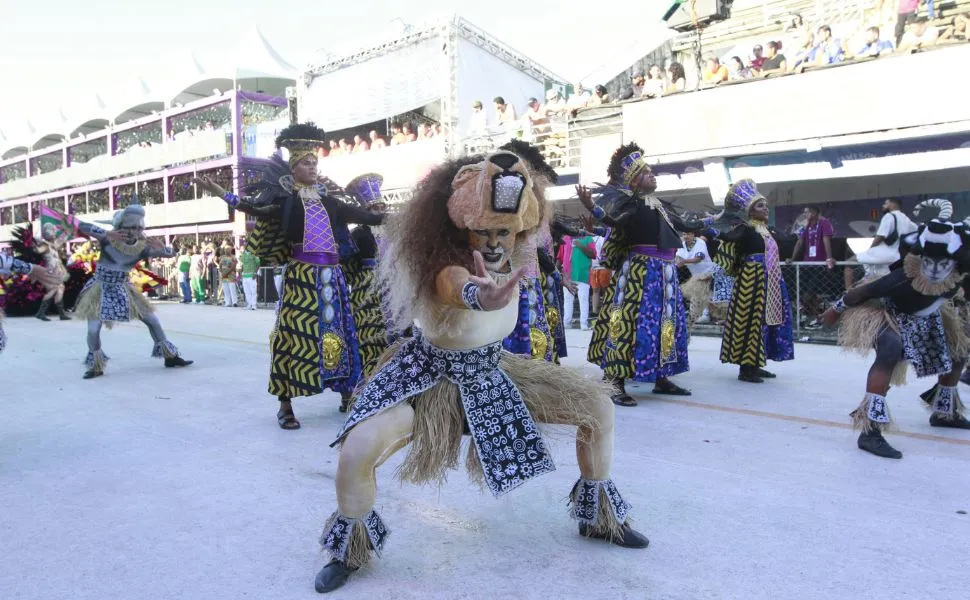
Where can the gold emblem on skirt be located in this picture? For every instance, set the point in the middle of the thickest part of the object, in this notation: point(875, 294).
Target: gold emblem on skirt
point(616, 326)
point(552, 317)
point(540, 343)
point(333, 350)
point(667, 339)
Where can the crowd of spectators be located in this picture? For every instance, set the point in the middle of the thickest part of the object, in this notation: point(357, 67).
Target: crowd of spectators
point(401, 132)
point(802, 46)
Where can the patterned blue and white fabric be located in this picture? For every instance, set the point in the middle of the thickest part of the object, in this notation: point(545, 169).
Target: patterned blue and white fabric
point(509, 445)
point(924, 342)
point(115, 301)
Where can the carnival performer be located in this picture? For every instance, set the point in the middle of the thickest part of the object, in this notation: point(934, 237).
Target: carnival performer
point(452, 269)
point(905, 316)
point(51, 248)
point(109, 297)
point(641, 330)
point(539, 318)
point(35, 272)
point(361, 274)
point(759, 319)
point(298, 224)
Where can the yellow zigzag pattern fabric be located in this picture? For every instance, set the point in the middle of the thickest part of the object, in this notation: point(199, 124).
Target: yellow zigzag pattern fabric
point(296, 352)
point(614, 334)
point(268, 242)
point(743, 343)
point(365, 302)
point(728, 257)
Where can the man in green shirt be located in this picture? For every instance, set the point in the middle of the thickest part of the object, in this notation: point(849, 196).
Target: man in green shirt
point(184, 262)
point(250, 266)
point(581, 252)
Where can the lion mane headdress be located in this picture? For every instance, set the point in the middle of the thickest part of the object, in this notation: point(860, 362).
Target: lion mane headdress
point(431, 231)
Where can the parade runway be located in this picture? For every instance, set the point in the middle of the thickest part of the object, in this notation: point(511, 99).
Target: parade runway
point(178, 484)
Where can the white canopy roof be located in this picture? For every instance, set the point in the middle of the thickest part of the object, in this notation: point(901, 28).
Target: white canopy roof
point(253, 65)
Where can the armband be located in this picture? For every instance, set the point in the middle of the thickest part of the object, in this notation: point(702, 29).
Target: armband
point(231, 199)
point(840, 306)
point(469, 295)
point(598, 213)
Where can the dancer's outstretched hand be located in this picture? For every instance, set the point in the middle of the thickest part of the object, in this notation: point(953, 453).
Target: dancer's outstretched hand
point(210, 186)
point(115, 237)
point(492, 295)
point(585, 196)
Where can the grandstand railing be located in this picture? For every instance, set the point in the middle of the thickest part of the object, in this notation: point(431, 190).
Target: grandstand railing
point(182, 150)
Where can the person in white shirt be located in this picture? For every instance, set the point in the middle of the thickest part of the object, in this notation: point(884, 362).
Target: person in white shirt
point(695, 256)
point(478, 124)
point(885, 246)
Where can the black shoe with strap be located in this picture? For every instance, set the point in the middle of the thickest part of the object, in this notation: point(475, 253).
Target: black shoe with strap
point(629, 537)
point(666, 387)
point(332, 576)
point(177, 361)
point(873, 443)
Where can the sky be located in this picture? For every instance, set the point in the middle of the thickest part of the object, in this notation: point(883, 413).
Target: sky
point(57, 53)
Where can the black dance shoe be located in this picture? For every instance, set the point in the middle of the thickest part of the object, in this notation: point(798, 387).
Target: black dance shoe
point(765, 374)
point(332, 576)
point(958, 422)
point(874, 443)
point(92, 373)
point(630, 538)
point(749, 375)
point(177, 361)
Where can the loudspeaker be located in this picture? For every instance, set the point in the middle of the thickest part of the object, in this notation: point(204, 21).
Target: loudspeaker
point(681, 15)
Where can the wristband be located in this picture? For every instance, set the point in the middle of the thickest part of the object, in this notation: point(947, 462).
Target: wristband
point(469, 295)
point(598, 212)
point(231, 199)
point(840, 306)
point(21, 267)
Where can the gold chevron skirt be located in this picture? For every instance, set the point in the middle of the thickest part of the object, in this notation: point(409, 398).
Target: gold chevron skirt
point(314, 344)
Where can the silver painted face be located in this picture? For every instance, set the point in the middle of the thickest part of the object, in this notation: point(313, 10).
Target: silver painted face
point(937, 269)
point(496, 246)
point(133, 228)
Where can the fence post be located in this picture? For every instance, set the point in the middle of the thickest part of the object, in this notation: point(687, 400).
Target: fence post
point(798, 301)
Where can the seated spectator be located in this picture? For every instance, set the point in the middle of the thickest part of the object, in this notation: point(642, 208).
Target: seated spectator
point(555, 104)
point(600, 96)
point(655, 85)
point(346, 146)
point(426, 131)
point(397, 136)
point(874, 46)
point(714, 71)
point(829, 49)
point(536, 114)
point(505, 113)
point(360, 145)
point(579, 98)
point(805, 55)
point(758, 60)
point(335, 150)
point(737, 70)
point(376, 141)
point(676, 78)
point(636, 87)
point(409, 135)
point(958, 31)
point(775, 61)
point(477, 124)
point(919, 35)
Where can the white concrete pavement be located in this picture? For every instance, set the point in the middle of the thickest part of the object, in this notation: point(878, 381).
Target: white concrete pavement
point(170, 484)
